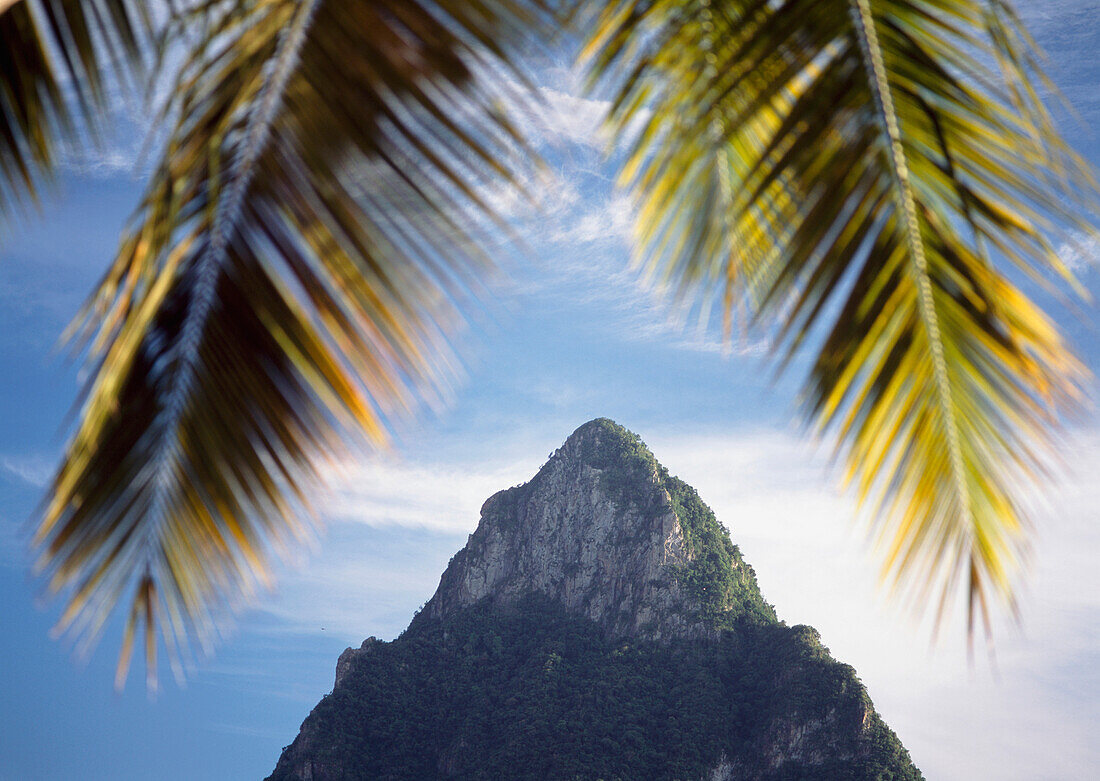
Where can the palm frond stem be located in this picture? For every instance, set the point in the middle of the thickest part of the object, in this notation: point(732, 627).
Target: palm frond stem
point(208, 270)
point(725, 185)
point(867, 35)
point(228, 212)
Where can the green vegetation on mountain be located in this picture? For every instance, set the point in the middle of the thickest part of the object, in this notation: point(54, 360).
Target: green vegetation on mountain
point(530, 692)
point(717, 576)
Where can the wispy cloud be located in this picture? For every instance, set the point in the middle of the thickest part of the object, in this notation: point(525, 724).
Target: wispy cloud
point(119, 157)
point(582, 232)
point(651, 319)
point(442, 497)
point(33, 470)
point(563, 117)
point(541, 194)
point(1081, 253)
point(245, 731)
point(608, 220)
point(365, 581)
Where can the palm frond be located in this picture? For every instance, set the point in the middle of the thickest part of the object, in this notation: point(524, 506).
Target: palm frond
point(292, 276)
point(56, 59)
point(896, 160)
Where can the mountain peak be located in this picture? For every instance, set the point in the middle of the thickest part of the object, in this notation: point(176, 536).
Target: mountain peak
point(604, 440)
point(581, 633)
point(604, 530)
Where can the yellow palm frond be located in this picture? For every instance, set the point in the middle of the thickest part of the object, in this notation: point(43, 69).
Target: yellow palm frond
point(861, 174)
point(291, 278)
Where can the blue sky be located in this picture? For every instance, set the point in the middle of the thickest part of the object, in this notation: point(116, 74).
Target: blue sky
point(568, 337)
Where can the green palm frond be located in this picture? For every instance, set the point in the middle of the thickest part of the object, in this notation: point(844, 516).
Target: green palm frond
point(56, 59)
point(867, 171)
point(291, 277)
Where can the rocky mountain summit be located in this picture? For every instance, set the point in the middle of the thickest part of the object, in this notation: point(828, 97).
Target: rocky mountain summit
point(606, 532)
point(599, 623)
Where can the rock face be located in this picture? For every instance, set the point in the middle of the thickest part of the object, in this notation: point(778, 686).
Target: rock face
point(599, 623)
point(595, 530)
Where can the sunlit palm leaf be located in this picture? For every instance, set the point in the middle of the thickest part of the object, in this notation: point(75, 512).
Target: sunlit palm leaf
point(56, 57)
point(291, 278)
point(887, 151)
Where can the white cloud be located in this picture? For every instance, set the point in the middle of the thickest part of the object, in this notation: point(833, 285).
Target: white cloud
point(609, 220)
point(439, 497)
point(653, 320)
point(32, 470)
point(244, 730)
point(541, 194)
point(583, 233)
point(120, 156)
point(562, 116)
point(355, 587)
point(569, 118)
point(1081, 253)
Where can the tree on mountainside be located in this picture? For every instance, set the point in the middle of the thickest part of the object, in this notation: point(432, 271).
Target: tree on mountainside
point(863, 178)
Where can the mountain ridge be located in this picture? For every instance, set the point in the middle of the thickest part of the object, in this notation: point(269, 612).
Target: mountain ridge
point(598, 623)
